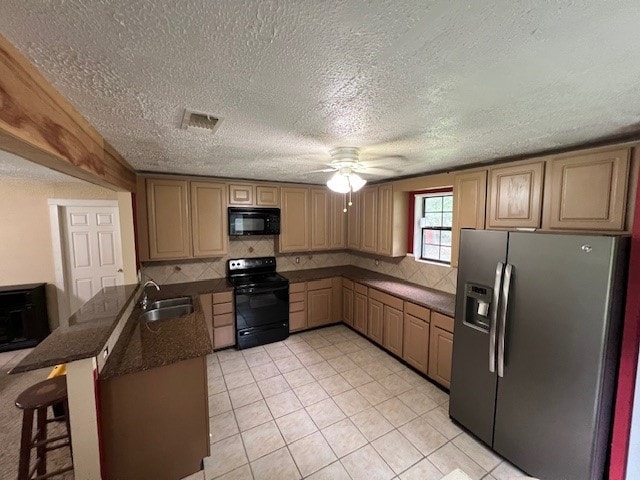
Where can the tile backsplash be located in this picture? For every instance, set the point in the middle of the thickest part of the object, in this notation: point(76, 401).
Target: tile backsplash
point(430, 275)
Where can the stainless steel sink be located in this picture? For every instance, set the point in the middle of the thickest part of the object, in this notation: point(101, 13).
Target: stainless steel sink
point(166, 312)
point(171, 302)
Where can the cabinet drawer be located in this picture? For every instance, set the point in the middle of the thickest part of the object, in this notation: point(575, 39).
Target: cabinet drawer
point(387, 299)
point(224, 319)
point(319, 284)
point(361, 289)
point(297, 321)
point(442, 321)
point(221, 308)
point(296, 307)
point(346, 283)
point(297, 287)
point(296, 297)
point(417, 311)
point(224, 336)
point(222, 297)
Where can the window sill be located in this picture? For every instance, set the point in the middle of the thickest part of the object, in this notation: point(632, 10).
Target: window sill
point(429, 262)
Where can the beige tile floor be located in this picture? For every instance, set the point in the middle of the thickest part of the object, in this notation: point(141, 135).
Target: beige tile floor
point(329, 404)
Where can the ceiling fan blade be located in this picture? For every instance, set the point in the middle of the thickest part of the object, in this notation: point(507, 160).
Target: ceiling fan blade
point(324, 170)
point(377, 171)
point(382, 159)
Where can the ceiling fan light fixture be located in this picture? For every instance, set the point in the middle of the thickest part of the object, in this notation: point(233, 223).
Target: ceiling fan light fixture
point(357, 182)
point(339, 183)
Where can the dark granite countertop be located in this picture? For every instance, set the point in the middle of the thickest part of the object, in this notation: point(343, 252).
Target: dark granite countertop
point(89, 329)
point(143, 345)
point(436, 300)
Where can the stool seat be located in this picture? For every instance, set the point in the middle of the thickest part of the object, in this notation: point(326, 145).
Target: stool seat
point(43, 394)
point(35, 401)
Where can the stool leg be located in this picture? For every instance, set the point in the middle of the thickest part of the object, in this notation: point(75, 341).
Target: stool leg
point(42, 437)
point(25, 444)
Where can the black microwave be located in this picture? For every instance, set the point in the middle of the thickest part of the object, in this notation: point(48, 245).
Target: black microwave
point(254, 221)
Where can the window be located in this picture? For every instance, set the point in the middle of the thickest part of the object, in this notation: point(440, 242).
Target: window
point(434, 212)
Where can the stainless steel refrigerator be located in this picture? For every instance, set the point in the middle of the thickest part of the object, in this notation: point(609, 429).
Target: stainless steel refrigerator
point(536, 345)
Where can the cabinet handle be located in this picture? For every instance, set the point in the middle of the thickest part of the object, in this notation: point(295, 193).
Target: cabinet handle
point(494, 317)
point(503, 318)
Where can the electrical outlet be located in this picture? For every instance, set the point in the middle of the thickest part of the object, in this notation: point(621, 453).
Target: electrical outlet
point(105, 353)
point(377, 262)
point(297, 259)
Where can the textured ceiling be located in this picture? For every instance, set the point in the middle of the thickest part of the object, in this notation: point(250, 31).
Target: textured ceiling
point(435, 84)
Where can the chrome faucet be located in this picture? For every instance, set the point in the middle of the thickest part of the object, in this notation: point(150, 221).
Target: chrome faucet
point(145, 299)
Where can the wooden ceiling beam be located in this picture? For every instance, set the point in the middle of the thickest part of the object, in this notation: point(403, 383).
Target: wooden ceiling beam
point(40, 125)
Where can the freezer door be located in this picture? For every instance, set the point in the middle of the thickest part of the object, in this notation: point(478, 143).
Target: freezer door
point(473, 384)
point(548, 408)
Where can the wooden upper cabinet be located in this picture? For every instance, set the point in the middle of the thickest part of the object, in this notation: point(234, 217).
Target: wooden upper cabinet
point(209, 219)
point(515, 195)
point(240, 194)
point(294, 219)
point(338, 222)
point(168, 216)
point(353, 222)
point(385, 220)
point(588, 192)
point(369, 220)
point(469, 199)
point(267, 196)
point(320, 219)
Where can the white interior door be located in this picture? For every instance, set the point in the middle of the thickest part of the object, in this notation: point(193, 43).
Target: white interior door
point(93, 252)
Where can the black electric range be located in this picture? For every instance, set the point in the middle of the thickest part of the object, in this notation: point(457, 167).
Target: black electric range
point(262, 301)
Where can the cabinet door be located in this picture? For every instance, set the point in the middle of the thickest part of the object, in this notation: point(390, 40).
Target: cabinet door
point(360, 312)
point(208, 219)
point(338, 222)
point(319, 307)
point(440, 351)
point(369, 220)
point(469, 198)
point(240, 194)
point(375, 320)
point(588, 192)
point(353, 222)
point(515, 195)
point(168, 213)
point(385, 220)
point(347, 306)
point(267, 196)
point(294, 220)
point(320, 237)
point(392, 331)
point(416, 342)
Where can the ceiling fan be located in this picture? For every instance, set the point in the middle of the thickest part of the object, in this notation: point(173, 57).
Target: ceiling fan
point(346, 164)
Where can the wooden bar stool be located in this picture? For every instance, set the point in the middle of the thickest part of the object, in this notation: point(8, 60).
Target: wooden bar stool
point(38, 398)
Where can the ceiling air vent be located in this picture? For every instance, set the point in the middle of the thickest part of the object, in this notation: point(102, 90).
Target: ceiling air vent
point(201, 121)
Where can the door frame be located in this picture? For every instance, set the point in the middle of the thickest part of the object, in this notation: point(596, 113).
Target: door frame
point(56, 214)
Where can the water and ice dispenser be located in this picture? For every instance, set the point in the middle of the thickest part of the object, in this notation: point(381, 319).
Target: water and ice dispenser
point(477, 305)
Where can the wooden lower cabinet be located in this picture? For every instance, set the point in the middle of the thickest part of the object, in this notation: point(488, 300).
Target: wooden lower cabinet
point(440, 348)
point(319, 307)
point(170, 404)
point(416, 342)
point(393, 327)
point(297, 306)
point(347, 305)
point(360, 312)
point(224, 320)
point(376, 322)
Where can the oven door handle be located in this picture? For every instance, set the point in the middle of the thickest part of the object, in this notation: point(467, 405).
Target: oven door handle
point(258, 290)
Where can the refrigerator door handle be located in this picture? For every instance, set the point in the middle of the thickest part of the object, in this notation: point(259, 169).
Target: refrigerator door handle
point(494, 317)
point(503, 318)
